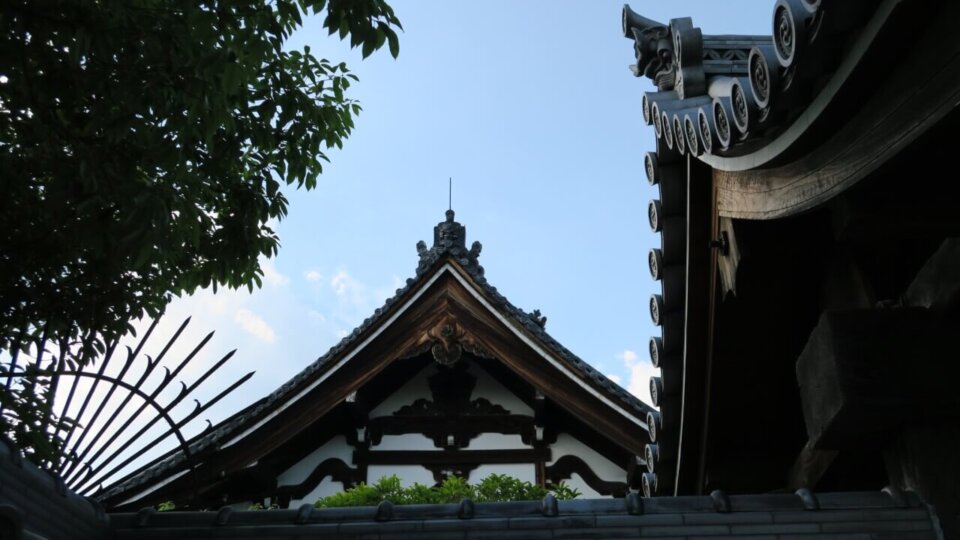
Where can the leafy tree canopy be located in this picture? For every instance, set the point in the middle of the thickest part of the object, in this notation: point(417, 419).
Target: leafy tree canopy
point(143, 147)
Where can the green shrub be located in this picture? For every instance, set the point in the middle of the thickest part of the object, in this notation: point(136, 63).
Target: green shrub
point(494, 488)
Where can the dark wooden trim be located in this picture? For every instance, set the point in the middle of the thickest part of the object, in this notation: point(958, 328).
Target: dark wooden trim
point(566, 466)
point(714, 297)
point(464, 428)
point(466, 457)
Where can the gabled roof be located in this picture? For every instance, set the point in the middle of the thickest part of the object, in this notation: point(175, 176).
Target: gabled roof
point(447, 262)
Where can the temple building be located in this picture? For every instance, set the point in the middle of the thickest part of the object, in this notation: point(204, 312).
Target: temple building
point(809, 264)
point(448, 377)
point(809, 257)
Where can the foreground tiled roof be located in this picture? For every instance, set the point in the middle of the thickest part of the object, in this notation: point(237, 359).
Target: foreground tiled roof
point(449, 243)
point(35, 504)
point(864, 515)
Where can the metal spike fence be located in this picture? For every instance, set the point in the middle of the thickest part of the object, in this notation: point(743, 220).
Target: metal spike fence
point(112, 421)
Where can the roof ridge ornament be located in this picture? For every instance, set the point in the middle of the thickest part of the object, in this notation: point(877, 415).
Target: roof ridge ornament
point(653, 47)
point(449, 238)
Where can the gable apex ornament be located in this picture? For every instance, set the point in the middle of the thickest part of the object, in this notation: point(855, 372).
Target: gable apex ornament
point(449, 239)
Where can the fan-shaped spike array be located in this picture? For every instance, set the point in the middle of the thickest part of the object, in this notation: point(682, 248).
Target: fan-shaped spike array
point(114, 424)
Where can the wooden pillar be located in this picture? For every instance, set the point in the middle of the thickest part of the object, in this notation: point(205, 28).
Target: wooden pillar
point(696, 328)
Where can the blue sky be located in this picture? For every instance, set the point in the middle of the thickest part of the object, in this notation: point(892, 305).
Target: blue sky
point(530, 107)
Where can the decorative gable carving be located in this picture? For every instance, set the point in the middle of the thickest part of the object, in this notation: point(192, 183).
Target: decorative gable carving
point(446, 340)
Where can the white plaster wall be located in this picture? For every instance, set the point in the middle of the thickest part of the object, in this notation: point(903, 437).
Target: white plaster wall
point(521, 471)
point(407, 441)
point(408, 474)
point(604, 468)
point(488, 387)
point(414, 389)
point(336, 447)
point(497, 441)
point(418, 388)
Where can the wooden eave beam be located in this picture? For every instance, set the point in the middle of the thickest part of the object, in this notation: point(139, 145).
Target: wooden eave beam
point(911, 95)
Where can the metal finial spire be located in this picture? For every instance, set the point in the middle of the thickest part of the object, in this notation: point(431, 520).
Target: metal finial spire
point(450, 194)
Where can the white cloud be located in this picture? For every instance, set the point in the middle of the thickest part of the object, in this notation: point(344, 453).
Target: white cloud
point(254, 325)
point(640, 372)
point(342, 333)
point(343, 285)
point(312, 275)
point(355, 300)
point(316, 317)
point(270, 274)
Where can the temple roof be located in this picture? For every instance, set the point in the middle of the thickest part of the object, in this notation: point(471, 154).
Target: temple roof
point(35, 504)
point(449, 246)
point(763, 127)
point(888, 514)
point(793, 117)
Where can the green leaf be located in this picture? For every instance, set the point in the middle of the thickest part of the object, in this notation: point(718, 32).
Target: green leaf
point(394, 43)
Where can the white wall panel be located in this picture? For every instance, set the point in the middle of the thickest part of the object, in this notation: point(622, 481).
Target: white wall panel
point(409, 441)
point(497, 441)
point(604, 468)
point(336, 447)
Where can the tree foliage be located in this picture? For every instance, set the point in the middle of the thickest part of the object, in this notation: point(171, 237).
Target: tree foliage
point(144, 145)
point(493, 488)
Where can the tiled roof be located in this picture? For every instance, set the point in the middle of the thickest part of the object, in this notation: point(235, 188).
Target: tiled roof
point(862, 515)
point(449, 243)
point(35, 504)
point(39, 503)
